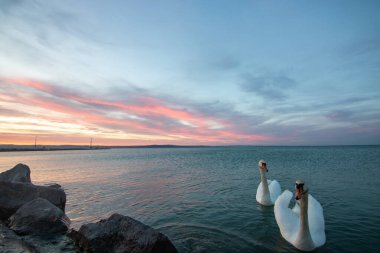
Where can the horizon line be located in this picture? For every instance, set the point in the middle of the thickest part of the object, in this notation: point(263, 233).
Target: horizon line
point(192, 145)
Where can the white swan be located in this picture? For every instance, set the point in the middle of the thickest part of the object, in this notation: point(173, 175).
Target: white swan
point(267, 191)
point(304, 225)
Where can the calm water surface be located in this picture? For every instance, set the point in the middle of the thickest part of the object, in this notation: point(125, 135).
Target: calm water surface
point(203, 199)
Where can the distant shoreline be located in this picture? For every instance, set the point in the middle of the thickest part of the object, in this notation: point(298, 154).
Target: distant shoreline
point(47, 148)
point(19, 148)
point(16, 148)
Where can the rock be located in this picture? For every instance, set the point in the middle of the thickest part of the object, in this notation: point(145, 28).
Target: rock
point(11, 243)
point(15, 194)
point(57, 186)
point(58, 243)
point(120, 234)
point(19, 173)
point(39, 217)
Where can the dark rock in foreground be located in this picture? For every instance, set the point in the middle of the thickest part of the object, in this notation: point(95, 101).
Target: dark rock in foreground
point(11, 243)
point(19, 173)
point(56, 186)
point(36, 214)
point(14, 195)
point(120, 234)
point(39, 217)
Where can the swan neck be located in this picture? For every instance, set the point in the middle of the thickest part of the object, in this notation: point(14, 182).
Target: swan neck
point(264, 182)
point(304, 204)
point(304, 236)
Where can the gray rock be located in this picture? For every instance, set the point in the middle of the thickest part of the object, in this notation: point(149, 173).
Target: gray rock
point(19, 173)
point(15, 194)
point(57, 186)
point(11, 243)
point(39, 217)
point(120, 234)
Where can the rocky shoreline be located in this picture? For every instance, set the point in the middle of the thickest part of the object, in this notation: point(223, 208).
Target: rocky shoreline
point(33, 220)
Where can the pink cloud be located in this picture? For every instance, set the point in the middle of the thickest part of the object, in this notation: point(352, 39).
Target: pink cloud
point(181, 125)
point(28, 83)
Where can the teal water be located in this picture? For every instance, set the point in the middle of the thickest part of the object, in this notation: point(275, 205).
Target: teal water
point(203, 199)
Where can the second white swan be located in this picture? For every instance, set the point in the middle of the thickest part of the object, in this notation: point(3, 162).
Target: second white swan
point(268, 190)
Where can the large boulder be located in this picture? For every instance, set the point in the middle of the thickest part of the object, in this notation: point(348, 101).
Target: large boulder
point(39, 217)
point(14, 194)
point(19, 173)
point(120, 234)
point(11, 243)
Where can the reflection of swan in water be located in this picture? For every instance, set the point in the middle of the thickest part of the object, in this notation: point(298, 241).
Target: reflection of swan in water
point(268, 190)
point(304, 225)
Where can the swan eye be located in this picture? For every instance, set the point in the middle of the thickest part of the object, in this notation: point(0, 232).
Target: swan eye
point(299, 186)
point(264, 164)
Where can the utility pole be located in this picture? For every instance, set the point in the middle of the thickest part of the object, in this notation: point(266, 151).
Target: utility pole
point(35, 143)
point(91, 143)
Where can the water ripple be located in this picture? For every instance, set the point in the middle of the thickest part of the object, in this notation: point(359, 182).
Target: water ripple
point(199, 238)
point(203, 199)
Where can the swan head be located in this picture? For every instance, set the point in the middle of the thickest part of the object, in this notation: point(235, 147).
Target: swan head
point(301, 189)
point(263, 166)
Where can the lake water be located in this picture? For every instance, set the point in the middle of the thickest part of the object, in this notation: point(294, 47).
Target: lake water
point(203, 199)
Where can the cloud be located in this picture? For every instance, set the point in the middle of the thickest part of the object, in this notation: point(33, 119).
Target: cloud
point(46, 40)
point(272, 86)
point(8, 112)
point(340, 115)
point(50, 109)
point(33, 107)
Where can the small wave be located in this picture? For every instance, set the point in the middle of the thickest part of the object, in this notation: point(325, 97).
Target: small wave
point(201, 238)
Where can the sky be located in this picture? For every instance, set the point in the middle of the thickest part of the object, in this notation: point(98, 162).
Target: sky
point(190, 72)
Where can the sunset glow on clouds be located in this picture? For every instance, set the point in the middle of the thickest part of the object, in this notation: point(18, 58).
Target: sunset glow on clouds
point(36, 108)
point(194, 73)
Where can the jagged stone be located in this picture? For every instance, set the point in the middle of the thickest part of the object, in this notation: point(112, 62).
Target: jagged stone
point(39, 217)
point(11, 243)
point(19, 173)
point(15, 194)
point(120, 234)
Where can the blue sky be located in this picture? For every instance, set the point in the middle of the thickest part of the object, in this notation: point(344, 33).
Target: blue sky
point(205, 72)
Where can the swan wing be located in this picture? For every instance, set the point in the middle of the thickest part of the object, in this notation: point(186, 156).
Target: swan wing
point(259, 193)
point(316, 222)
point(296, 209)
point(274, 190)
point(287, 220)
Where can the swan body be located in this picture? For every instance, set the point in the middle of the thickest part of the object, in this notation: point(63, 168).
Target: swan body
point(274, 191)
point(303, 226)
point(268, 190)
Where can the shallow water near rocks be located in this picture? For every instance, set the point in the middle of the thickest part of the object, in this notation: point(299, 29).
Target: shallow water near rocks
point(203, 199)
